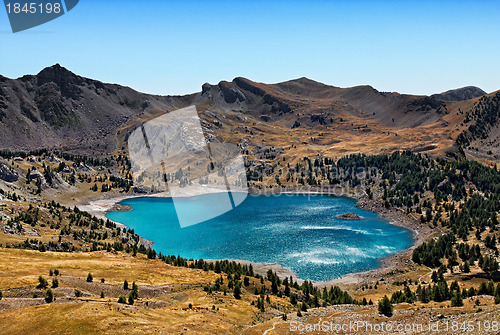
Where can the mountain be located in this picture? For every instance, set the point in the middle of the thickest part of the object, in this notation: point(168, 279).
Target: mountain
point(59, 109)
point(301, 97)
point(460, 94)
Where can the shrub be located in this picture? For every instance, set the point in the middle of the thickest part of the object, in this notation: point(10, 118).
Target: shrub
point(49, 296)
point(122, 300)
point(56, 272)
point(78, 293)
point(42, 282)
point(55, 283)
point(102, 295)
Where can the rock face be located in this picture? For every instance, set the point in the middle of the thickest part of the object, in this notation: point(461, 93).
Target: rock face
point(7, 174)
point(349, 216)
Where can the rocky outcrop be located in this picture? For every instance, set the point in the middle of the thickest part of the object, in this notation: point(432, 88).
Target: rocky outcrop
point(53, 159)
point(141, 189)
point(349, 216)
point(59, 182)
point(7, 174)
point(81, 167)
point(37, 175)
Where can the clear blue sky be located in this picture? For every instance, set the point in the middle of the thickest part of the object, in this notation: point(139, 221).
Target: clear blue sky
point(173, 47)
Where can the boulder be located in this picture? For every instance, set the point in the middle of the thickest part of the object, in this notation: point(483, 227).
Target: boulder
point(53, 159)
point(7, 174)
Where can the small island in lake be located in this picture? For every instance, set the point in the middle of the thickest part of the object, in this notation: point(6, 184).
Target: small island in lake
point(349, 216)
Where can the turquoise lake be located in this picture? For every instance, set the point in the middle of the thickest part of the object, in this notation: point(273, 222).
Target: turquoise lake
point(300, 232)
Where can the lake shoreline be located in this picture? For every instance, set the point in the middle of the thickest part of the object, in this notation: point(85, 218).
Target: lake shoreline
point(420, 233)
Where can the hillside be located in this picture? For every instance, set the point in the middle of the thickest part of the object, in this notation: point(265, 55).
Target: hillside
point(481, 139)
point(460, 94)
point(456, 203)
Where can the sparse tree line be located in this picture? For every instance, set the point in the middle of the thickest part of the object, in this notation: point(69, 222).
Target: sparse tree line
point(485, 113)
point(80, 225)
point(120, 162)
point(440, 291)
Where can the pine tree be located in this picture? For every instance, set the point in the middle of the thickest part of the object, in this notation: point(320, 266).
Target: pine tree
point(466, 267)
point(237, 292)
point(135, 291)
point(457, 301)
point(385, 306)
point(130, 298)
point(90, 279)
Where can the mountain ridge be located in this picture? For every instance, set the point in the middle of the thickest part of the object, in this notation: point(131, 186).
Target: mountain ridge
point(59, 109)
